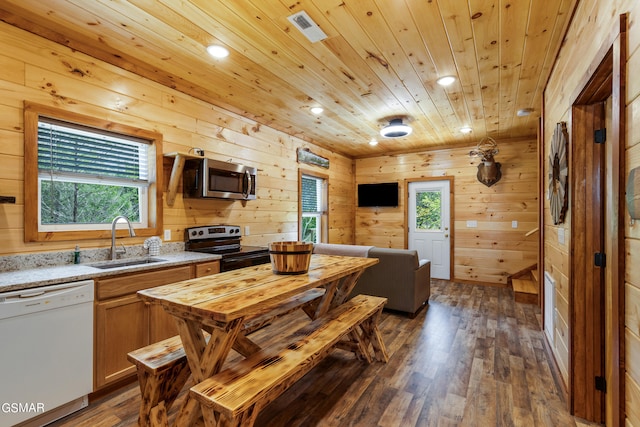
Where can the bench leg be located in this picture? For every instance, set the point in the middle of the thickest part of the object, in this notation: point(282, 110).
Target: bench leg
point(189, 412)
point(158, 416)
point(365, 336)
point(159, 392)
point(361, 345)
point(371, 331)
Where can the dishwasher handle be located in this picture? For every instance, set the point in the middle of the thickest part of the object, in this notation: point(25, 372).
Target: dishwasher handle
point(32, 294)
point(27, 301)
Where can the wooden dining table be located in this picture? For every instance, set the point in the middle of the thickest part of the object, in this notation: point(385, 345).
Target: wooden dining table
point(217, 307)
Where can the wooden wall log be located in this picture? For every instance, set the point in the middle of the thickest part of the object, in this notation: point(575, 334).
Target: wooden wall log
point(514, 198)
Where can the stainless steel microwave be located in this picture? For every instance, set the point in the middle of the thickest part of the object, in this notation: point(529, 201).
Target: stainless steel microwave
point(208, 178)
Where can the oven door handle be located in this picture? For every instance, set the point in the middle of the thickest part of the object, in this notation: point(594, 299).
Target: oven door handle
point(242, 258)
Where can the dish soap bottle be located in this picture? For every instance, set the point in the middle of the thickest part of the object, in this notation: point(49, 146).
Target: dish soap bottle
point(76, 255)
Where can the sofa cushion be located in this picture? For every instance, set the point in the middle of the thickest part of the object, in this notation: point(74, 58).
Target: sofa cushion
point(402, 259)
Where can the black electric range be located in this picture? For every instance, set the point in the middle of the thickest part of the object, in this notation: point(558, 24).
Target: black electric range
point(224, 240)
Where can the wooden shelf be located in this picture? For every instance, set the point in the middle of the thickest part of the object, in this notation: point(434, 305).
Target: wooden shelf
point(176, 173)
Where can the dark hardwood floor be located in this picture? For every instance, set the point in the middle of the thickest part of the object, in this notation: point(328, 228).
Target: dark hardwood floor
point(473, 357)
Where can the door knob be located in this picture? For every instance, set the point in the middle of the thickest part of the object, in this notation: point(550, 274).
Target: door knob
point(446, 235)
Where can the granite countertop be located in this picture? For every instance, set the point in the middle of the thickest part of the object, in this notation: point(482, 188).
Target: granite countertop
point(43, 276)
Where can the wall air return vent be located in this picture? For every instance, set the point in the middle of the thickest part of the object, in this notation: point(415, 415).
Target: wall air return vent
point(305, 24)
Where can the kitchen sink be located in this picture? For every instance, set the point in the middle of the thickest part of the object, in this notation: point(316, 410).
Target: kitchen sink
point(105, 265)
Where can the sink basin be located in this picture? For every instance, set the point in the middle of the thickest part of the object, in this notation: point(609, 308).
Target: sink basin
point(125, 263)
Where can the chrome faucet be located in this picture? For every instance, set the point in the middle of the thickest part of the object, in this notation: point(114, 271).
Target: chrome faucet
point(114, 250)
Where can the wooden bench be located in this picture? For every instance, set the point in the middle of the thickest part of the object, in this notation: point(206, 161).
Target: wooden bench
point(237, 394)
point(163, 370)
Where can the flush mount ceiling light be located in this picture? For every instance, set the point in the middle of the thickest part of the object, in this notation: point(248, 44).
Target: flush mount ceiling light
point(317, 110)
point(373, 142)
point(466, 129)
point(395, 129)
point(217, 51)
point(446, 80)
point(524, 112)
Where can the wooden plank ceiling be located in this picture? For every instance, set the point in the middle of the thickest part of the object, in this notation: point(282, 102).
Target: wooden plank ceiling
point(381, 60)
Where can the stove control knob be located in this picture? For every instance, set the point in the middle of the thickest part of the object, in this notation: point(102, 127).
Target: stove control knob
point(194, 232)
point(200, 233)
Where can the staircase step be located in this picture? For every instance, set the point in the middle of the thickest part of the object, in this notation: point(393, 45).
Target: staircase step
point(525, 291)
point(534, 273)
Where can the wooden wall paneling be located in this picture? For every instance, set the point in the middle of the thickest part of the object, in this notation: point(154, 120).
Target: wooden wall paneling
point(494, 208)
point(574, 65)
point(77, 83)
point(562, 347)
point(632, 346)
point(615, 342)
point(606, 78)
point(632, 404)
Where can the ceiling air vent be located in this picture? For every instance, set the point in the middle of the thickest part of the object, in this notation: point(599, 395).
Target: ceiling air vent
point(305, 24)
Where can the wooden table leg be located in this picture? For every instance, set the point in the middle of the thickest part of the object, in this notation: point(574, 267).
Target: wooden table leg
point(245, 346)
point(204, 360)
point(336, 293)
point(345, 287)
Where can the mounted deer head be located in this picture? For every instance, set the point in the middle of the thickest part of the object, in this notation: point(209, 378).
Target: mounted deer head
point(489, 170)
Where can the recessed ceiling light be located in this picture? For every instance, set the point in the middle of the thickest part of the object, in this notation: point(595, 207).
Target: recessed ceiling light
point(524, 112)
point(466, 129)
point(317, 110)
point(395, 129)
point(218, 51)
point(446, 80)
point(373, 142)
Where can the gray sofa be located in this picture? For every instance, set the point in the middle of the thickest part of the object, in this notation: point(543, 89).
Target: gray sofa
point(400, 276)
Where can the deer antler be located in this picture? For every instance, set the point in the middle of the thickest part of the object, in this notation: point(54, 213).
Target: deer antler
point(486, 149)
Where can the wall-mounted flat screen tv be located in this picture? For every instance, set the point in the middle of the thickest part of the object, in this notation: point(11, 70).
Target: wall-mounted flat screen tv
point(378, 195)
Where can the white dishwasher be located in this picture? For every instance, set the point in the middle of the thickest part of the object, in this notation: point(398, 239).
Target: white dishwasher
point(46, 352)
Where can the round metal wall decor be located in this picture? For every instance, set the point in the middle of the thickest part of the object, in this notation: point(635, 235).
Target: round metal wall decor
point(558, 173)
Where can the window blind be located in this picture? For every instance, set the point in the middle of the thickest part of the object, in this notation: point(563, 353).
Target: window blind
point(74, 150)
point(309, 195)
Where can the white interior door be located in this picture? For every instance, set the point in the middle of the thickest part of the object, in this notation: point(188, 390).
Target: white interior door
point(429, 228)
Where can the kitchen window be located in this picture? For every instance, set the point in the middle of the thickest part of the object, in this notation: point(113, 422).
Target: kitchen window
point(80, 173)
point(313, 207)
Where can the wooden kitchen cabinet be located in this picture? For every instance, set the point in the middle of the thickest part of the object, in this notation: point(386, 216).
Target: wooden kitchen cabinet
point(207, 268)
point(124, 323)
point(161, 324)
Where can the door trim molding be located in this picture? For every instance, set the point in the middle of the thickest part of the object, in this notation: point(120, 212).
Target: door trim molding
point(451, 214)
point(612, 53)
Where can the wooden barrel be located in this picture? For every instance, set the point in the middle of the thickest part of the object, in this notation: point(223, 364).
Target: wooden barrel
point(290, 257)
